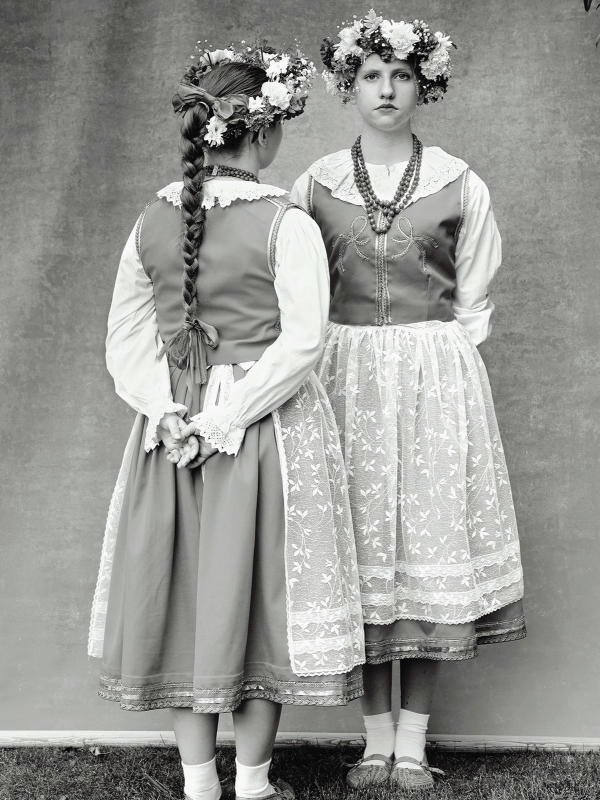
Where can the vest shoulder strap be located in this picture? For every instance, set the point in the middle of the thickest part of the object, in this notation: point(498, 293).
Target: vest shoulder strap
point(283, 204)
point(138, 226)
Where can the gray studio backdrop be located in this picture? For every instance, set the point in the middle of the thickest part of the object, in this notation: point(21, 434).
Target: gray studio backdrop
point(88, 136)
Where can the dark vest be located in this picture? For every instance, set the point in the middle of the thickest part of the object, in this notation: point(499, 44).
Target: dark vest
point(404, 276)
point(235, 284)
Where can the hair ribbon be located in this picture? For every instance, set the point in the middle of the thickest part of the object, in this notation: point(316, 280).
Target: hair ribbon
point(188, 96)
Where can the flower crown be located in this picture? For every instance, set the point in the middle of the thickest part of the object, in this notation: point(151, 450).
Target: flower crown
point(282, 96)
point(406, 41)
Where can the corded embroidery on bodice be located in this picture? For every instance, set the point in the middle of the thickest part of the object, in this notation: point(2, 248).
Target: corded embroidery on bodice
point(403, 276)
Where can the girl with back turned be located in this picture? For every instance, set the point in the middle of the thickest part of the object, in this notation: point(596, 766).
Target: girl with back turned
point(228, 578)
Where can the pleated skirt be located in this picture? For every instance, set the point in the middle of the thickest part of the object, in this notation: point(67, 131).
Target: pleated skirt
point(434, 522)
point(196, 612)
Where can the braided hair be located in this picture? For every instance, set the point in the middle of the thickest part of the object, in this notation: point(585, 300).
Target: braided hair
point(184, 348)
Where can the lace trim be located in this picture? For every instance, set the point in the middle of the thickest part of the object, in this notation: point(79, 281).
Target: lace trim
point(451, 615)
point(335, 171)
point(222, 193)
point(158, 410)
point(510, 552)
point(226, 438)
point(325, 614)
point(213, 423)
point(477, 595)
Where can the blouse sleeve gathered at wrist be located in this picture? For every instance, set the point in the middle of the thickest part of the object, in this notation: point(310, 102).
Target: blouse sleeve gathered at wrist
point(133, 343)
point(302, 288)
point(478, 257)
point(216, 426)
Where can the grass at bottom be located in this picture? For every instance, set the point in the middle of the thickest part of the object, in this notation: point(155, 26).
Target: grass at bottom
point(148, 773)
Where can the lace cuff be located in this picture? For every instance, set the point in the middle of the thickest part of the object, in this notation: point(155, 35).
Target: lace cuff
point(158, 409)
point(215, 426)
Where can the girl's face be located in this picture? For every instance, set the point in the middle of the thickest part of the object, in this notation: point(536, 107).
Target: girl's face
point(386, 94)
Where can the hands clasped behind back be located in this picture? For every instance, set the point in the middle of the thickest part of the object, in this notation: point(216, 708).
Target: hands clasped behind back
point(183, 446)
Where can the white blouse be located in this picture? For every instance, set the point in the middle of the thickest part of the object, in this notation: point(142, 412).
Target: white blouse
point(302, 288)
point(478, 248)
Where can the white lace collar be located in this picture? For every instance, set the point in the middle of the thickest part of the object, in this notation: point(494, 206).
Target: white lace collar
point(222, 192)
point(336, 172)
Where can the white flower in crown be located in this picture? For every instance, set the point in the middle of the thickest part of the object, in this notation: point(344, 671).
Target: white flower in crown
point(348, 46)
point(255, 104)
point(437, 64)
point(215, 57)
point(371, 21)
point(276, 94)
point(330, 79)
point(401, 37)
point(214, 132)
point(278, 66)
point(443, 40)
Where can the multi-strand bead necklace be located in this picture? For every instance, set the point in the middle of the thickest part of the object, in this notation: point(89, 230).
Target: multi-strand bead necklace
point(214, 170)
point(381, 212)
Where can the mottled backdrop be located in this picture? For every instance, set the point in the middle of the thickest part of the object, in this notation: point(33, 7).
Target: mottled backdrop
point(88, 136)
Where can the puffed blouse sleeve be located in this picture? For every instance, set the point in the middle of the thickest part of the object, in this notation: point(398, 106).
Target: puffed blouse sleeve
point(478, 257)
point(302, 288)
point(132, 344)
point(300, 190)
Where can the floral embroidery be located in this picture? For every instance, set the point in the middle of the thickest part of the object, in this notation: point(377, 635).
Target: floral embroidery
point(325, 626)
point(434, 523)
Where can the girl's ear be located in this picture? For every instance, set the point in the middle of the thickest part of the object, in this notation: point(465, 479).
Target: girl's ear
point(262, 137)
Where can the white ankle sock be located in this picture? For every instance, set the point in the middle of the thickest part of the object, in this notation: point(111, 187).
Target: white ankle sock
point(252, 782)
point(380, 734)
point(410, 736)
point(201, 781)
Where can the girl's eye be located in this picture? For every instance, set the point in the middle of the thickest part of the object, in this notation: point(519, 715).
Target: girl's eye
point(372, 76)
point(403, 76)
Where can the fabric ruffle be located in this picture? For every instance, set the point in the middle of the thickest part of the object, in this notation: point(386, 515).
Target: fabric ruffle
point(336, 172)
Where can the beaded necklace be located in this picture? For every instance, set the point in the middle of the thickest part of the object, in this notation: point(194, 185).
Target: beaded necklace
point(232, 172)
point(387, 209)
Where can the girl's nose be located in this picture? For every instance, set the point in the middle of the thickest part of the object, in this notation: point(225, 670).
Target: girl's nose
point(387, 89)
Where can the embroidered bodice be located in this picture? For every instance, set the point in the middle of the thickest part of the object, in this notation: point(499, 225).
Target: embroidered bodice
point(437, 259)
point(403, 276)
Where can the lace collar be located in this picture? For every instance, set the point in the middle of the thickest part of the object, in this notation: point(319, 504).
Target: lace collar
point(222, 192)
point(335, 171)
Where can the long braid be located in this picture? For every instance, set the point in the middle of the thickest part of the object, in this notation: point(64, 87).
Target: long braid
point(186, 349)
point(194, 216)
